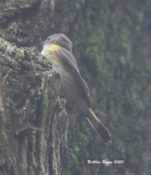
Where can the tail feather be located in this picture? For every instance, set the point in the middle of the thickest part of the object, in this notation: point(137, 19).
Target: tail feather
point(99, 127)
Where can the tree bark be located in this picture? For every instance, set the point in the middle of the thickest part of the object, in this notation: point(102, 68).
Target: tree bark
point(33, 122)
point(26, 22)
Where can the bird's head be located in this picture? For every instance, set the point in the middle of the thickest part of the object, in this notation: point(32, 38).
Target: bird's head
point(60, 40)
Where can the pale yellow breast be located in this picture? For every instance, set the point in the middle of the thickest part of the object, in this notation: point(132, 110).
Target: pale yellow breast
point(50, 52)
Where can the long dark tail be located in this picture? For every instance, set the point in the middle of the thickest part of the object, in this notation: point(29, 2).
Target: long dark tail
point(100, 129)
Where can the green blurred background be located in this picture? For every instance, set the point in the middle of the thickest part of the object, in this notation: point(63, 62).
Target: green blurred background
point(112, 45)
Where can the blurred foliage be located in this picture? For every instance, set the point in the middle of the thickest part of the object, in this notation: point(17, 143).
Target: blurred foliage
point(112, 44)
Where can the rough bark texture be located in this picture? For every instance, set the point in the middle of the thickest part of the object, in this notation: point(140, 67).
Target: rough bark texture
point(33, 123)
point(25, 22)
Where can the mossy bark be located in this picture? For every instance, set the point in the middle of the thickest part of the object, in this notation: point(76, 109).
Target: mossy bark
point(111, 40)
point(33, 124)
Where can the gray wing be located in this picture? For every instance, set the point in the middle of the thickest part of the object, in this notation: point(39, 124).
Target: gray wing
point(68, 59)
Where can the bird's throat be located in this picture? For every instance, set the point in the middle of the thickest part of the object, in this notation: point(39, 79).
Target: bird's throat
point(52, 48)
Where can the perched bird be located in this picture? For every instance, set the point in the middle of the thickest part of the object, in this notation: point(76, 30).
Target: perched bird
point(58, 50)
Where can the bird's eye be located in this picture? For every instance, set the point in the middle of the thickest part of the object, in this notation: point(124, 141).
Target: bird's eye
point(49, 38)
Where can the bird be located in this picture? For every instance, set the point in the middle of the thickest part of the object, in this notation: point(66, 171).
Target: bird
point(57, 49)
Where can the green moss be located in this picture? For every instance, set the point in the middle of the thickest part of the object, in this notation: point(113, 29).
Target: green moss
point(111, 43)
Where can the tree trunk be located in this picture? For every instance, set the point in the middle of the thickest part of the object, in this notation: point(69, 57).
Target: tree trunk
point(33, 122)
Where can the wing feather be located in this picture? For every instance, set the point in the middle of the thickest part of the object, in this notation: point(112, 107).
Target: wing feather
point(68, 59)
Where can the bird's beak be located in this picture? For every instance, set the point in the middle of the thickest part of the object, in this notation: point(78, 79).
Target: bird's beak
point(43, 43)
